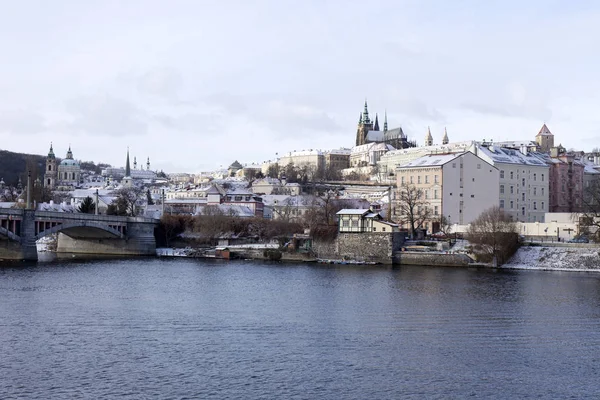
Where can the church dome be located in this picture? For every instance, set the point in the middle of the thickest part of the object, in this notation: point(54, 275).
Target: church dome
point(69, 163)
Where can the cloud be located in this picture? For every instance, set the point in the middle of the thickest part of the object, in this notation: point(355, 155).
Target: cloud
point(191, 122)
point(161, 82)
point(284, 117)
point(105, 116)
point(25, 122)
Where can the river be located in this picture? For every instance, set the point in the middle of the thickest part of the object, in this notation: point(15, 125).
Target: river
point(186, 328)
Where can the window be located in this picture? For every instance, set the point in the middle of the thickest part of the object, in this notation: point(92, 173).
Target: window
point(542, 205)
point(426, 194)
point(535, 191)
point(355, 223)
point(345, 223)
point(450, 193)
point(535, 205)
point(542, 177)
point(512, 190)
point(501, 174)
point(453, 165)
point(402, 180)
point(472, 196)
point(523, 182)
point(478, 166)
point(501, 189)
point(435, 194)
point(522, 210)
point(535, 177)
point(411, 179)
point(374, 229)
point(512, 204)
point(542, 191)
point(435, 210)
point(523, 196)
point(426, 178)
point(512, 175)
point(49, 167)
point(435, 178)
point(383, 229)
point(419, 179)
point(501, 203)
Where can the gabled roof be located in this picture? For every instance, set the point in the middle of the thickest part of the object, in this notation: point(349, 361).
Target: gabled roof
point(544, 131)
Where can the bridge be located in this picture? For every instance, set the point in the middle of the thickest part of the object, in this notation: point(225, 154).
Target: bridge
point(77, 233)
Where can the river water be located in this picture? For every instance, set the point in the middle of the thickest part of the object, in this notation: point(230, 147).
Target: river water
point(185, 328)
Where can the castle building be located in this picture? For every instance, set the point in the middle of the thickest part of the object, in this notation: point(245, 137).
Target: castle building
point(368, 132)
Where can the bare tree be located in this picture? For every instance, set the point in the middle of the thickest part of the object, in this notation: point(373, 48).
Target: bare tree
point(127, 199)
point(493, 235)
point(589, 218)
point(412, 208)
point(445, 226)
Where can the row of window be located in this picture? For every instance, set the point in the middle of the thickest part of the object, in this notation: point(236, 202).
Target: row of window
point(435, 179)
point(512, 190)
point(512, 205)
point(512, 176)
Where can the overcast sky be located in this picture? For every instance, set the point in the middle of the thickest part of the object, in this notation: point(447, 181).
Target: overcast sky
point(198, 84)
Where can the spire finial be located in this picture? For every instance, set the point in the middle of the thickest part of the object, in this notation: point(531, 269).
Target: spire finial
point(385, 125)
point(127, 166)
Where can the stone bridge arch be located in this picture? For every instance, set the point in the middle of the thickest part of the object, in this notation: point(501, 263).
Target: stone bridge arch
point(80, 229)
point(10, 235)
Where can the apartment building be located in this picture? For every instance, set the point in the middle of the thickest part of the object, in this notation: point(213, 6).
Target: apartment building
point(457, 186)
point(523, 181)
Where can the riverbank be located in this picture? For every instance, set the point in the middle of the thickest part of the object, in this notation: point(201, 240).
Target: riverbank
point(552, 258)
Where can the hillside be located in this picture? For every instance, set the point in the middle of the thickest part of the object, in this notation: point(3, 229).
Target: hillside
point(15, 165)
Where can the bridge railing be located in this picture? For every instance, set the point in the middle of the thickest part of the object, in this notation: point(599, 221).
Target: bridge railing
point(92, 217)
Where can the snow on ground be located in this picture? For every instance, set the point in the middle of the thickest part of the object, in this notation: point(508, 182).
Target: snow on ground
point(556, 258)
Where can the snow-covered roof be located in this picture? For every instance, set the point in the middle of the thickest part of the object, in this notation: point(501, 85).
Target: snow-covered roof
point(353, 211)
point(503, 155)
point(435, 160)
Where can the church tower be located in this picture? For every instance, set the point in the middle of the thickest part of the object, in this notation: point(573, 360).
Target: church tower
point(364, 126)
point(445, 138)
point(51, 171)
point(127, 181)
point(428, 138)
point(545, 139)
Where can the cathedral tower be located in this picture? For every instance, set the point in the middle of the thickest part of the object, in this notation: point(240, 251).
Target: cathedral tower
point(445, 138)
point(364, 126)
point(428, 138)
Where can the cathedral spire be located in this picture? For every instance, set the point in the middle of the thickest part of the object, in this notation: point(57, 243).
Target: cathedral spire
point(385, 125)
point(365, 116)
point(69, 154)
point(127, 166)
point(148, 164)
point(445, 138)
point(428, 138)
point(376, 126)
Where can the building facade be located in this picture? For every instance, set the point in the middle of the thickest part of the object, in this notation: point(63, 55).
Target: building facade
point(523, 181)
point(457, 186)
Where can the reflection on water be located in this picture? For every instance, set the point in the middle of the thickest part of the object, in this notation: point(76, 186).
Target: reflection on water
point(198, 329)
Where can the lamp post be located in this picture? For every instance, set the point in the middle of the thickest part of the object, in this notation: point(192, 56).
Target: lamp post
point(96, 204)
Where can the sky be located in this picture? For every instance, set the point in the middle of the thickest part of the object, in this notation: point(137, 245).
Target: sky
point(195, 85)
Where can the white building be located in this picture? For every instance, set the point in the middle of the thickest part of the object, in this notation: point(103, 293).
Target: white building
point(523, 181)
point(457, 186)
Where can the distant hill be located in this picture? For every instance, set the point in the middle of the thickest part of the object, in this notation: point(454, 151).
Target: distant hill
point(15, 165)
